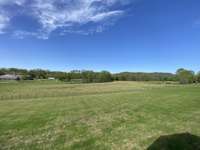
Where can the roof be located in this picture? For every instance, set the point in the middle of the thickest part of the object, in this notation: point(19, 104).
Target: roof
point(9, 77)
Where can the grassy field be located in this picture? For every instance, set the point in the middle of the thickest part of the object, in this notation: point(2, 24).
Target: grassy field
point(118, 115)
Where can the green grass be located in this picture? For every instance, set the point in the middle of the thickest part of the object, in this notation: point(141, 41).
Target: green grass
point(118, 115)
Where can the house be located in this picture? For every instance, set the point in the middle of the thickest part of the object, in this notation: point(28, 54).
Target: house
point(10, 77)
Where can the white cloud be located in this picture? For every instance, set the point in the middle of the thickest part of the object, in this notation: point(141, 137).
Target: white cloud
point(105, 15)
point(3, 22)
point(22, 34)
point(80, 12)
point(65, 14)
point(10, 2)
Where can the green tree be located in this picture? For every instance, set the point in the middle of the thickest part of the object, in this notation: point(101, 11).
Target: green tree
point(104, 76)
point(198, 77)
point(185, 76)
point(88, 76)
point(2, 72)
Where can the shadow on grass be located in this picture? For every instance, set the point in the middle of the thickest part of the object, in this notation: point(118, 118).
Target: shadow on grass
point(182, 141)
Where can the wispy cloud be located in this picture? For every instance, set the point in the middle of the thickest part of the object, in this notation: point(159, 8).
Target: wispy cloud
point(68, 16)
point(4, 21)
point(9, 2)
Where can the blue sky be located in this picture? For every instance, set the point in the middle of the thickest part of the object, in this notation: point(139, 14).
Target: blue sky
point(114, 35)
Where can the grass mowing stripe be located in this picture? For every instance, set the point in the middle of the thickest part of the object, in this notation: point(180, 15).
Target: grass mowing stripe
point(119, 115)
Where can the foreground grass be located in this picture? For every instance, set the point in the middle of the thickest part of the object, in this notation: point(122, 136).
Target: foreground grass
point(119, 115)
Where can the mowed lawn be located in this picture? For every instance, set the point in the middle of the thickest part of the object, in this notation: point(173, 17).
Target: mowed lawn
point(118, 115)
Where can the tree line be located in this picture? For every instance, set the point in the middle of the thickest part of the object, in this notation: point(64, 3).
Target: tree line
point(84, 76)
point(182, 75)
point(140, 76)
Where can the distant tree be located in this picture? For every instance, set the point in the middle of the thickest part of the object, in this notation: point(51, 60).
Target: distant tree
point(75, 74)
point(179, 70)
point(38, 74)
point(32, 74)
point(2, 72)
point(198, 77)
point(185, 76)
point(13, 70)
point(62, 76)
point(104, 76)
point(88, 76)
point(140, 76)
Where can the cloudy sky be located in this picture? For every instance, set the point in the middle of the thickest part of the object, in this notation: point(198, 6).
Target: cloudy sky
point(115, 35)
point(39, 18)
